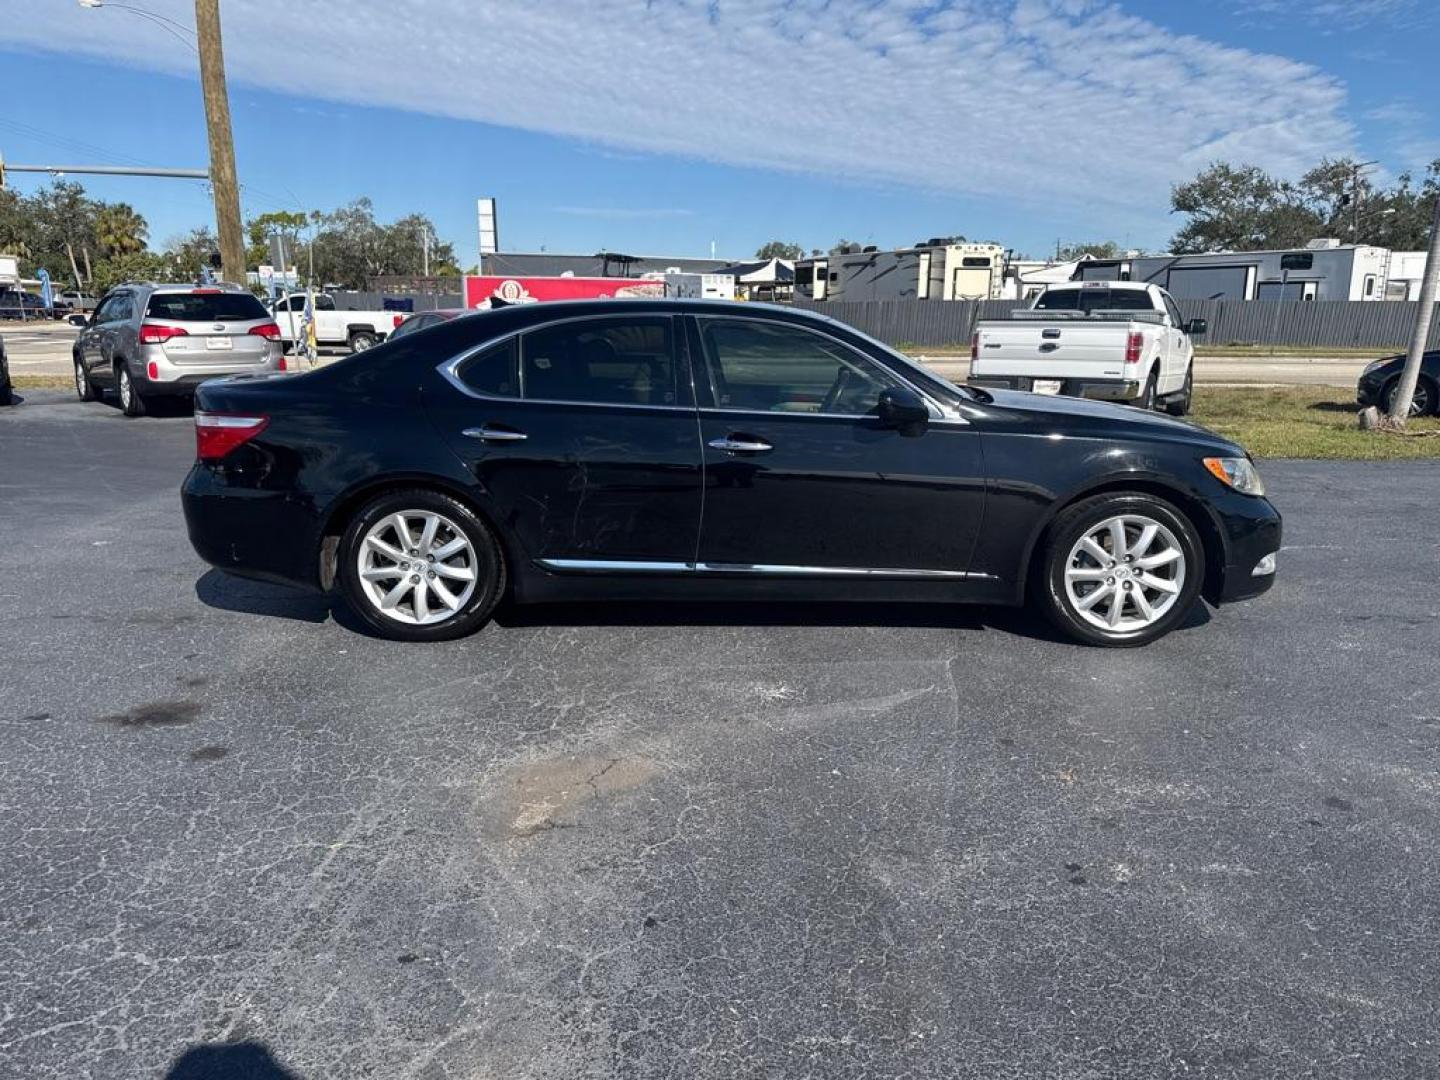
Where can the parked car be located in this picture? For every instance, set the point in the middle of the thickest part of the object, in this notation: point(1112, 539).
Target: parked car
point(1381, 379)
point(423, 320)
point(146, 341)
point(1112, 340)
point(357, 330)
point(72, 301)
point(16, 304)
point(689, 449)
point(7, 390)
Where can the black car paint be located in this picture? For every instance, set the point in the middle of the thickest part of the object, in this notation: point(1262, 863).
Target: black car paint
point(1370, 389)
point(974, 492)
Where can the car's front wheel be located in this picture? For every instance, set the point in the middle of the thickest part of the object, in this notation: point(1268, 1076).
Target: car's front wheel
point(84, 389)
point(1120, 569)
point(1421, 404)
point(421, 566)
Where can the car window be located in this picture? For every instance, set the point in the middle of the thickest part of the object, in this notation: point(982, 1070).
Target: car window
point(776, 368)
point(1088, 300)
point(206, 307)
point(621, 361)
point(107, 308)
point(412, 324)
point(322, 303)
point(492, 371)
point(1176, 319)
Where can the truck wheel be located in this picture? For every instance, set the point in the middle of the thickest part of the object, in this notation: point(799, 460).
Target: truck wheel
point(1179, 405)
point(360, 340)
point(1146, 400)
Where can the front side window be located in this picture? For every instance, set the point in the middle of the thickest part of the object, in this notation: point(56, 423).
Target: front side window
point(1174, 312)
point(107, 309)
point(771, 367)
point(615, 361)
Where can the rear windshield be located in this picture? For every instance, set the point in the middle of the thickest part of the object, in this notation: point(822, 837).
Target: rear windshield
point(206, 307)
point(1095, 300)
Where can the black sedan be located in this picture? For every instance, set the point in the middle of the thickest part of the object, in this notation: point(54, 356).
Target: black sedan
point(683, 449)
point(7, 392)
point(1381, 379)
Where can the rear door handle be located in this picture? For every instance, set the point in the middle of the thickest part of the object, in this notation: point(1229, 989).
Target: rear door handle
point(740, 444)
point(490, 433)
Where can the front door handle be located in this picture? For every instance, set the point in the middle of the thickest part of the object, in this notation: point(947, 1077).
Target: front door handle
point(490, 433)
point(740, 444)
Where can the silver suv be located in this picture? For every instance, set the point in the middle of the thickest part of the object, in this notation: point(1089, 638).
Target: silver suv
point(147, 341)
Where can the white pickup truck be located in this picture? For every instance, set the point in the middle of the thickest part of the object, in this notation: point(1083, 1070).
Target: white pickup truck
point(1113, 340)
point(356, 329)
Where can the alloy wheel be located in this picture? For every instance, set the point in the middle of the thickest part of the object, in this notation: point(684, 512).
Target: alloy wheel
point(127, 391)
point(1125, 573)
point(417, 567)
point(80, 382)
point(1420, 404)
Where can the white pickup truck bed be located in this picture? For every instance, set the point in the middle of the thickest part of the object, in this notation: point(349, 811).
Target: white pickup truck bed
point(1115, 341)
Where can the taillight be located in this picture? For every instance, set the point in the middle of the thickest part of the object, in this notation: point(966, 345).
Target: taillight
point(216, 434)
point(975, 346)
point(151, 334)
point(268, 330)
point(398, 320)
point(1133, 344)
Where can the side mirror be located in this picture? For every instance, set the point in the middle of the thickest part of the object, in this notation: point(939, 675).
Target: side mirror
point(77, 320)
point(1196, 327)
point(903, 409)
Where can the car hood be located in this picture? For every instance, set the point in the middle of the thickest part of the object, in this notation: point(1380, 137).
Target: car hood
point(1067, 415)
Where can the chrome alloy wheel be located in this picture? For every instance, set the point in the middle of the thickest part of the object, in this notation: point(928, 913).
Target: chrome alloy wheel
point(1124, 573)
point(417, 567)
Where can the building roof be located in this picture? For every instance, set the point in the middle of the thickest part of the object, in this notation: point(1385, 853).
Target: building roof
point(761, 272)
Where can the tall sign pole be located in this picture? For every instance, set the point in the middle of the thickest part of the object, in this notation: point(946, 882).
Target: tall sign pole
point(222, 145)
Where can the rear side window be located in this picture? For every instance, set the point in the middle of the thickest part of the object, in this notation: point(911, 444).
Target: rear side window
point(492, 371)
point(206, 307)
point(1088, 300)
point(619, 361)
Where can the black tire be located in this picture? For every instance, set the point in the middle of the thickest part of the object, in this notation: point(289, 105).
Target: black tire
point(84, 388)
point(132, 402)
point(1424, 402)
point(1146, 400)
point(360, 340)
point(1049, 591)
point(488, 566)
point(1180, 404)
point(7, 394)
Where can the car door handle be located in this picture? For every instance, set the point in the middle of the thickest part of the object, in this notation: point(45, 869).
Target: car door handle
point(743, 444)
point(494, 434)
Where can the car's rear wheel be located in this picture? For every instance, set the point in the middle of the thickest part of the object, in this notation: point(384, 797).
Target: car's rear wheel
point(1120, 569)
point(360, 340)
point(84, 389)
point(132, 402)
point(421, 566)
point(1422, 404)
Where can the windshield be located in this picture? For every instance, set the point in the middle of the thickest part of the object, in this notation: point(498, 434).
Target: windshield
point(206, 307)
point(1088, 300)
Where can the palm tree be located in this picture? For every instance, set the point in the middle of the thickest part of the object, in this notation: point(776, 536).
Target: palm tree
point(119, 230)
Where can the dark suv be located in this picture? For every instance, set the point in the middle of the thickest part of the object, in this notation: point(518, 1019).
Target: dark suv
point(147, 340)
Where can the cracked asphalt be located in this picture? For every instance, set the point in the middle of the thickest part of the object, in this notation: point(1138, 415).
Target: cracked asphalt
point(238, 839)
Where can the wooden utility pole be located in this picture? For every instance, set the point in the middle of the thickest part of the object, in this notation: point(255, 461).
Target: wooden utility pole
point(222, 146)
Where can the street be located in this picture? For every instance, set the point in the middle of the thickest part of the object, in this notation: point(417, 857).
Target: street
point(44, 349)
point(713, 841)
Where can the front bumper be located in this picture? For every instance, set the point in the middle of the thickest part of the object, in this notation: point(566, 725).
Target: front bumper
point(1096, 389)
point(1252, 533)
point(1369, 386)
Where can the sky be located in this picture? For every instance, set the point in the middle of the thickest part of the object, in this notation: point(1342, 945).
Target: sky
point(668, 126)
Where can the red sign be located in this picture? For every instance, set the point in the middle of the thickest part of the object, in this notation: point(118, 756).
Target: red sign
point(532, 290)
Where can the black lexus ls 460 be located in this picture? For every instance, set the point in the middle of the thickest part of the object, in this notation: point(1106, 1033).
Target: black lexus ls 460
point(676, 449)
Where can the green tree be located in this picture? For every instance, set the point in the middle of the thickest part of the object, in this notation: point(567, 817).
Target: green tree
point(1242, 208)
point(119, 230)
point(290, 225)
point(132, 266)
point(840, 245)
point(1101, 249)
point(780, 249)
point(188, 253)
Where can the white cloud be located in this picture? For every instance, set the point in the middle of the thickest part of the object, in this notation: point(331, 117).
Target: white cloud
point(1047, 101)
point(1341, 15)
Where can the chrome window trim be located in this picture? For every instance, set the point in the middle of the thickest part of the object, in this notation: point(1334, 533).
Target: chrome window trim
point(450, 369)
point(640, 566)
point(937, 411)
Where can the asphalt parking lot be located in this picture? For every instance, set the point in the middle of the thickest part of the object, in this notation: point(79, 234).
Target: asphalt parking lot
point(703, 842)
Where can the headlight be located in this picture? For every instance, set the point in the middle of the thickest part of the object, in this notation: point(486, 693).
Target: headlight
point(1374, 365)
point(1236, 472)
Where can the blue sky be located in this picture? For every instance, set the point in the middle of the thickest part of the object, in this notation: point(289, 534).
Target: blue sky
point(662, 127)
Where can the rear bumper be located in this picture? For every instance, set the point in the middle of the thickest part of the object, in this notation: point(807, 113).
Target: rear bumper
point(269, 535)
point(159, 374)
point(1097, 389)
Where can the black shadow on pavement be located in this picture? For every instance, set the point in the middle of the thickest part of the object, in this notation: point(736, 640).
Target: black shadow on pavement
point(229, 1061)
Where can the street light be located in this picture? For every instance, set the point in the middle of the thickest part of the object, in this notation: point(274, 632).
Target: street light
point(169, 25)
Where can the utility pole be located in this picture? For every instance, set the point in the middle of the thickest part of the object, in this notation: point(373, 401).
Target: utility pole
point(1355, 170)
point(222, 144)
point(1400, 405)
